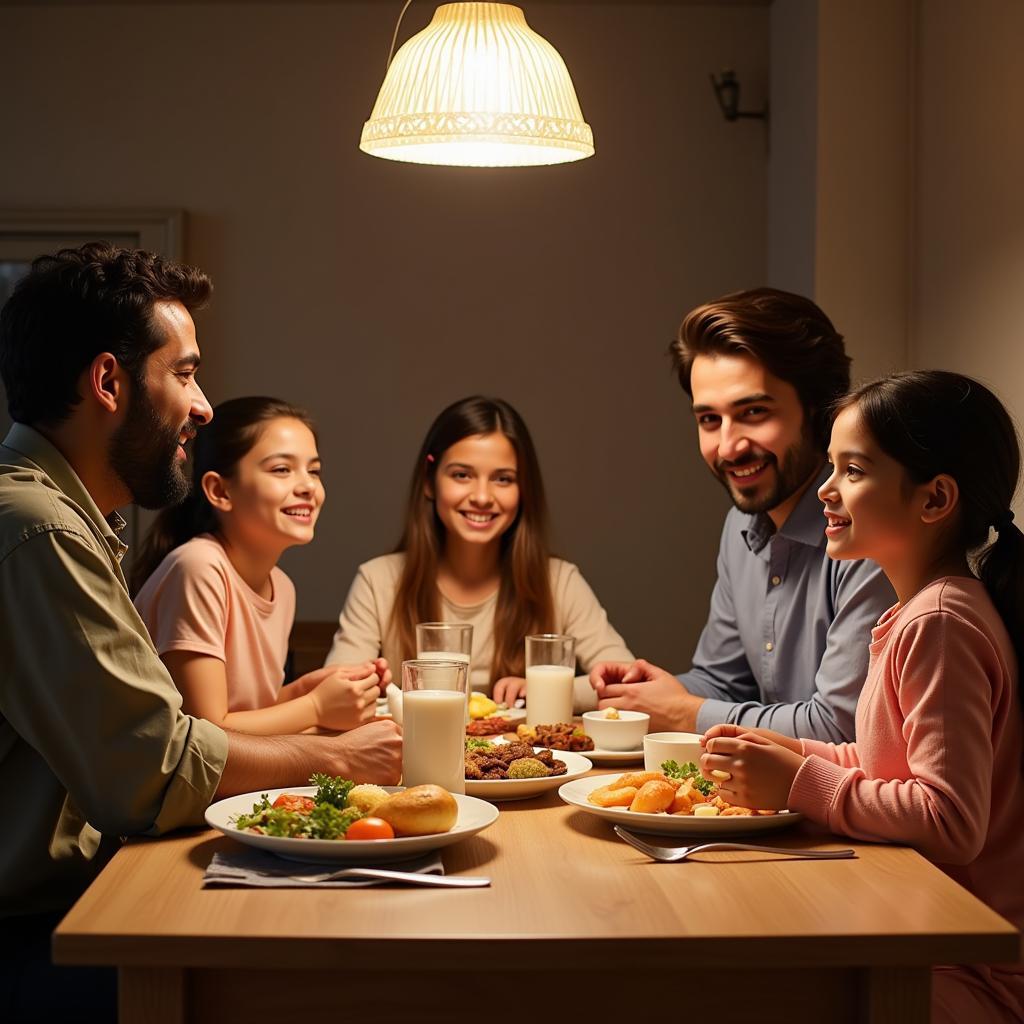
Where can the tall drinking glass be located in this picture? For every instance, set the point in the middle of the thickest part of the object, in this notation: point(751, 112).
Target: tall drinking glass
point(444, 641)
point(550, 669)
point(434, 723)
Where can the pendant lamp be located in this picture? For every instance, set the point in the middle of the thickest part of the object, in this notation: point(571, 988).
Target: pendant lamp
point(477, 88)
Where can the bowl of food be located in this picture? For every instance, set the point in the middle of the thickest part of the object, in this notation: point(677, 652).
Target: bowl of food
point(613, 729)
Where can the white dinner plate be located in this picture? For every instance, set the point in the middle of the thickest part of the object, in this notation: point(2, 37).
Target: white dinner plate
point(575, 793)
point(599, 756)
point(522, 789)
point(474, 816)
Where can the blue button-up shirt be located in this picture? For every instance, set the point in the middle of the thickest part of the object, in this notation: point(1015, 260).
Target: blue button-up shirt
point(786, 642)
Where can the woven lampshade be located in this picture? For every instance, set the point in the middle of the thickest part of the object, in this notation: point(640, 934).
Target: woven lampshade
point(478, 88)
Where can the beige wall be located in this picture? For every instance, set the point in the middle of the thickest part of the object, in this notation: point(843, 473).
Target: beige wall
point(376, 293)
point(864, 166)
point(840, 171)
point(918, 251)
point(793, 154)
point(969, 237)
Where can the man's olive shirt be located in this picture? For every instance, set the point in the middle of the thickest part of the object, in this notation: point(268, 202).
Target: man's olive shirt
point(93, 743)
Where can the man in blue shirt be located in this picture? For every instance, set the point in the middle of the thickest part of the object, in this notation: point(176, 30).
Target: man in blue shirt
point(786, 641)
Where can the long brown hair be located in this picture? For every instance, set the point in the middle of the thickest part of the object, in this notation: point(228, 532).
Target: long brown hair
point(219, 447)
point(525, 603)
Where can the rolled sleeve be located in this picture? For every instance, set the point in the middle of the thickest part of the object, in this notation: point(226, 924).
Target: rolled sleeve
point(82, 684)
point(196, 774)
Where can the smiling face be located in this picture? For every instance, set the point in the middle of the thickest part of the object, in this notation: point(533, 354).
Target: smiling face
point(165, 407)
point(753, 433)
point(872, 509)
point(273, 498)
point(476, 488)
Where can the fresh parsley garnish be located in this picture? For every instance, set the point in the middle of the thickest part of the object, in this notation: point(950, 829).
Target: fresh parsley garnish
point(330, 789)
point(688, 772)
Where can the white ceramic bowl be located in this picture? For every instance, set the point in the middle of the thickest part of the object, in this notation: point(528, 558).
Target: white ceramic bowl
point(671, 746)
point(623, 733)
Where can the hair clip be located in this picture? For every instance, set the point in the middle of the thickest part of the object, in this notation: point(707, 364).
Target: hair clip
point(430, 458)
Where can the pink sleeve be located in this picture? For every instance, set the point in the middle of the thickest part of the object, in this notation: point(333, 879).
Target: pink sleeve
point(187, 608)
point(946, 670)
point(843, 754)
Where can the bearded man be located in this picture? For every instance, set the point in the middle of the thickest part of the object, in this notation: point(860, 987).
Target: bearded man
point(786, 642)
point(98, 354)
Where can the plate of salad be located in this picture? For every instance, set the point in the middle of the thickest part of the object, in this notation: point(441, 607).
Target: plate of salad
point(312, 823)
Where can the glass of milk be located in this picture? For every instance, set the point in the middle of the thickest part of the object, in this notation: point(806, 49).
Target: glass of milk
point(434, 723)
point(550, 669)
point(444, 641)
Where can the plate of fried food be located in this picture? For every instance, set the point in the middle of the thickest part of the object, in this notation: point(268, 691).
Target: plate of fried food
point(336, 821)
point(675, 801)
point(496, 770)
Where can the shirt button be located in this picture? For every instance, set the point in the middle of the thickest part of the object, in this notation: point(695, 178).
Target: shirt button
point(776, 580)
point(769, 646)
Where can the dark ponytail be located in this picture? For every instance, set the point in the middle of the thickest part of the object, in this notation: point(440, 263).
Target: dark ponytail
point(218, 447)
point(932, 422)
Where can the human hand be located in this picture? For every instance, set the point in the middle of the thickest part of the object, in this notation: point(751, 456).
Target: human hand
point(605, 672)
point(359, 670)
point(383, 670)
point(645, 687)
point(508, 690)
point(729, 729)
point(760, 771)
point(340, 702)
point(371, 753)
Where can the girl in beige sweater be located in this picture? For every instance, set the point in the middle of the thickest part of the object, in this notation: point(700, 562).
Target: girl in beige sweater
point(475, 549)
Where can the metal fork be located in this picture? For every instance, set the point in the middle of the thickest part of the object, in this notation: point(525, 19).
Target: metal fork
point(669, 855)
point(411, 877)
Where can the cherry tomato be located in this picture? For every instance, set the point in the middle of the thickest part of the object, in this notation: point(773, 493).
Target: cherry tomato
point(293, 802)
point(370, 828)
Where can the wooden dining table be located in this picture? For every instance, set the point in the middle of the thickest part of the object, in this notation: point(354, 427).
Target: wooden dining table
point(576, 926)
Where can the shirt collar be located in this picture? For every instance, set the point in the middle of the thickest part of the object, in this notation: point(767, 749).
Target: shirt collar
point(805, 524)
point(33, 446)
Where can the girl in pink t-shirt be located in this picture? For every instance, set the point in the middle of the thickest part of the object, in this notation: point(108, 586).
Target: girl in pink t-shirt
point(925, 468)
point(218, 608)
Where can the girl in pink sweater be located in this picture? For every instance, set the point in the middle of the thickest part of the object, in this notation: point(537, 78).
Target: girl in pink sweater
point(925, 467)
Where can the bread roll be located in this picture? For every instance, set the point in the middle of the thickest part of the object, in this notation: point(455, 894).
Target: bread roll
point(419, 811)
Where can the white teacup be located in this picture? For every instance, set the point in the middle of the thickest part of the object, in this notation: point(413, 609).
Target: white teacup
point(671, 746)
point(394, 695)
